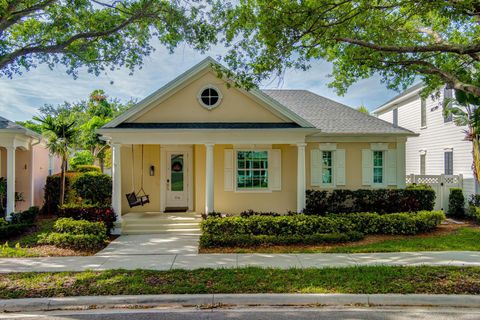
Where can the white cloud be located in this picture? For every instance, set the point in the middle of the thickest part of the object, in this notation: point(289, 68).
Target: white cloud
point(21, 96)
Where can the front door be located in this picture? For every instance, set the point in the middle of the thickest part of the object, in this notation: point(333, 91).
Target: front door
point(177, 179)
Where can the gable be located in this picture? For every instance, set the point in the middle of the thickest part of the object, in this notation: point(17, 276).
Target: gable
point(182, 106)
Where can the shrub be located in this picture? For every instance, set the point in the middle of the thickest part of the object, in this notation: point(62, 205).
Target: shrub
point(73, 241)
point(75, 234)
point(13, 229)
point(250, 212)
point(3, 222)
point(456, 203)
point(208, 241)
point(303, 225)
point(27, 216)
point(94, 187)
point(411, 199)
point(476, 214)
point(88, 168)
point(52, 191)
point(83, 157)
point(69, 225)
point(89, 212)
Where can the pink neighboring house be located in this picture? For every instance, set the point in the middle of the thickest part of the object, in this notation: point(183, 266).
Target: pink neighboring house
point(26, 162)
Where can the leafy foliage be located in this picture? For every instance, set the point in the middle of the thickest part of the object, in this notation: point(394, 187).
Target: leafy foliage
point(75, 234)
point(436, 41)
point(83, 157)
point(456, 203)
point(52, 191)
point(212, 241)
point(303, 225)
point(89, 212)
point(97, 35)
point(94, 187)
point(417, 198)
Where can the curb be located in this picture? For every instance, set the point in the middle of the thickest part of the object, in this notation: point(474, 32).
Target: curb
point(212, 300)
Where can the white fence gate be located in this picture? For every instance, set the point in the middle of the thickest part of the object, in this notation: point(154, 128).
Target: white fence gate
point(441, 184)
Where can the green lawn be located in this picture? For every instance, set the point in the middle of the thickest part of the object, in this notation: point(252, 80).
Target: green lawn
point(463, 239)
point(378, 279)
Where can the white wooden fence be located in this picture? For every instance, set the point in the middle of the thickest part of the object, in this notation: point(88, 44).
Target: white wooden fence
point(441, 184)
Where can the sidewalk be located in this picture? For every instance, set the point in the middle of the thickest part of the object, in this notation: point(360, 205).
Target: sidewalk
point(195, 261)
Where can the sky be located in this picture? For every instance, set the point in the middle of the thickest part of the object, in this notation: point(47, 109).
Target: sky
point(21, 96)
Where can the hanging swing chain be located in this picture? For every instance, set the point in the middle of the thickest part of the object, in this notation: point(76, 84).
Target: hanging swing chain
point(133, 170)
point(141, 178)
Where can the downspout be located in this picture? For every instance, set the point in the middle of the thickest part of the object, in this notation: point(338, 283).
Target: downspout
point(32, 176)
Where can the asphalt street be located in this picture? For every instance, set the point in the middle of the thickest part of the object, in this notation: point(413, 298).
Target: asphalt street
point(277, 313)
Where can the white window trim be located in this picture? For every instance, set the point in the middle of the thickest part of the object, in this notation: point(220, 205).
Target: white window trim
point(235, 175)
point(327, 146)
point(213, 106)
point(383, 184)
point(334, 182)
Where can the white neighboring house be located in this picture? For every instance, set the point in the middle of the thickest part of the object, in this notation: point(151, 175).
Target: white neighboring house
point(441, 147)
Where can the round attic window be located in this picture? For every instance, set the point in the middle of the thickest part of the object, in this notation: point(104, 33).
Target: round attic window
point(209, 97)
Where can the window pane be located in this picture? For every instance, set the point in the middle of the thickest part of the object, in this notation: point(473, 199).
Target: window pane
point(377, 175)
point(176, 177)
point(327, 158)
point(327, 175)
point(378, 158)
point(252, 170)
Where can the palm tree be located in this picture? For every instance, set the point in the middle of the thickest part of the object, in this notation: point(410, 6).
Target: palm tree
point(466, 112)
point(61, 133)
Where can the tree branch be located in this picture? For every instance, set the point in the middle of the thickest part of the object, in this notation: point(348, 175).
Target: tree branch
point(60, 47)
point(15, 16)
point(459, 49)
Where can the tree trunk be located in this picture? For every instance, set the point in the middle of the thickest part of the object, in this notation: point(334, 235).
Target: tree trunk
point(476, 157)
point(62, 182)
point(102, 164)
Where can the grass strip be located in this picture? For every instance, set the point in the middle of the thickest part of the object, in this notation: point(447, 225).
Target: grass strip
point(369, 280)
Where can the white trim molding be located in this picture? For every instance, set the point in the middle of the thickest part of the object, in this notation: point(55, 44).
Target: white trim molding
point(301, 185)
point(216, 104)
point(379, 146)
point(328, 146)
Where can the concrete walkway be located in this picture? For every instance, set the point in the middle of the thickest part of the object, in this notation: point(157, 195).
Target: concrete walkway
point(148, 244)
point(195, 261)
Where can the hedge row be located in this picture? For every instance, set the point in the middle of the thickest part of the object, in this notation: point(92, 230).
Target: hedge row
point(89, 212)
point(20, 223)
point(12, 230)
point(367, 223)
point(412, 199)
point(209, 241)
point(75, 234)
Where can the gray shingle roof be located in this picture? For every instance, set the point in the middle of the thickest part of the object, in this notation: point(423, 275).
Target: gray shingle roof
point(330, 116)
point(8, 125)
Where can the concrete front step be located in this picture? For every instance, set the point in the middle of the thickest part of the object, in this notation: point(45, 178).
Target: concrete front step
point(176, 232)
point(181, 223)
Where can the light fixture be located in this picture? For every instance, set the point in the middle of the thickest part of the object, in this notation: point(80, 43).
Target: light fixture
point(152, 170)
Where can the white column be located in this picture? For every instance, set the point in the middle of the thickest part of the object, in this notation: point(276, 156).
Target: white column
point(401, 163)
point(209, 177)
point(301, 177)
point(117, 187)
point(10, 181)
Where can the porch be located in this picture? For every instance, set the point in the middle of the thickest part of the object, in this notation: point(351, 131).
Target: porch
point(190, 179)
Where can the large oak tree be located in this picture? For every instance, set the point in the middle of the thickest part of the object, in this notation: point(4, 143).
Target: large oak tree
point(437, 41)
point(96, 34)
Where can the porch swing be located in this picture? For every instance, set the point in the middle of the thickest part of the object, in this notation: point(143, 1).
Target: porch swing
point(139, 198)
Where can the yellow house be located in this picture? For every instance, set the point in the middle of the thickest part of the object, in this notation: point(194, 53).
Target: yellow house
point(200, 144)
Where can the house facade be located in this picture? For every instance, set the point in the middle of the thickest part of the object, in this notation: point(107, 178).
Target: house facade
point(25, 162)
point(200, 144)
point(440, 147)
